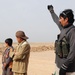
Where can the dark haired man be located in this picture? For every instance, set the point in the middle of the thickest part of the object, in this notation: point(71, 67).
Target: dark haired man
point(6, 59)
point(65, 43)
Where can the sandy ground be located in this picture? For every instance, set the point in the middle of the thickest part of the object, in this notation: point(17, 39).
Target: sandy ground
point(0, 65)
point(40, 63)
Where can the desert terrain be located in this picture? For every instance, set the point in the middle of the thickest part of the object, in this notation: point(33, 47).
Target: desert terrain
point(41, 60)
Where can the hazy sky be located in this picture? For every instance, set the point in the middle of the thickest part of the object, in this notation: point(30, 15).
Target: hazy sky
point(32, 17)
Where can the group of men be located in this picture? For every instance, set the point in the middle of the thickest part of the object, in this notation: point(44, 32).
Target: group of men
point(15, 60)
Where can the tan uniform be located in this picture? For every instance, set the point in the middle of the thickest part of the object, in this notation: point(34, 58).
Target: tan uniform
point(20, 61)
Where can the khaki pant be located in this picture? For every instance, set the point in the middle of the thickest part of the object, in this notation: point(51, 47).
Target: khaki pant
point(57, 72)
point(20, 74)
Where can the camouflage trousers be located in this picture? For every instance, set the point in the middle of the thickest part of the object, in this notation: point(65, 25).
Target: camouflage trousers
point(7, 71)
point(70, 73)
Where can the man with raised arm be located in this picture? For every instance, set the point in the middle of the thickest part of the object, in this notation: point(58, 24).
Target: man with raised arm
point(65, 43)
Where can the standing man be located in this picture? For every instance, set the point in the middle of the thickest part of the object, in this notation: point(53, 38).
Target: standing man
point(21, 54)
point(6, 59)
point(65, 43)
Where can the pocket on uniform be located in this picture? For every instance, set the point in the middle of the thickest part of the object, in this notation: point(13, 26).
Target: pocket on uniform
point(65, 48)
point(58, 48)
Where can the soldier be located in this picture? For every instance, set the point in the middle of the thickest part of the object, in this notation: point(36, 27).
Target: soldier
point(21, 54)
point(65, 43)
point(6, 60)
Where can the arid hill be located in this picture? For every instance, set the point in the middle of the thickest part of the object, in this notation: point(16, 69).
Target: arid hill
point(35, 47)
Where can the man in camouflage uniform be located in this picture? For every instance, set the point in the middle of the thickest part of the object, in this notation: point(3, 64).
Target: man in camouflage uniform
point(6, 59)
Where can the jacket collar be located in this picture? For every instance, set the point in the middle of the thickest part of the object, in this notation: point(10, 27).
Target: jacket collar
point(22, 42)
point(68, 25)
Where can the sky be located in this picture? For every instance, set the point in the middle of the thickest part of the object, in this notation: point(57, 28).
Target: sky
point(32, 17)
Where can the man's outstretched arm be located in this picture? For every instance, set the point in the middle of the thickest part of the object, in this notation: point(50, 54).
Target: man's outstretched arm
point(54, 16)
